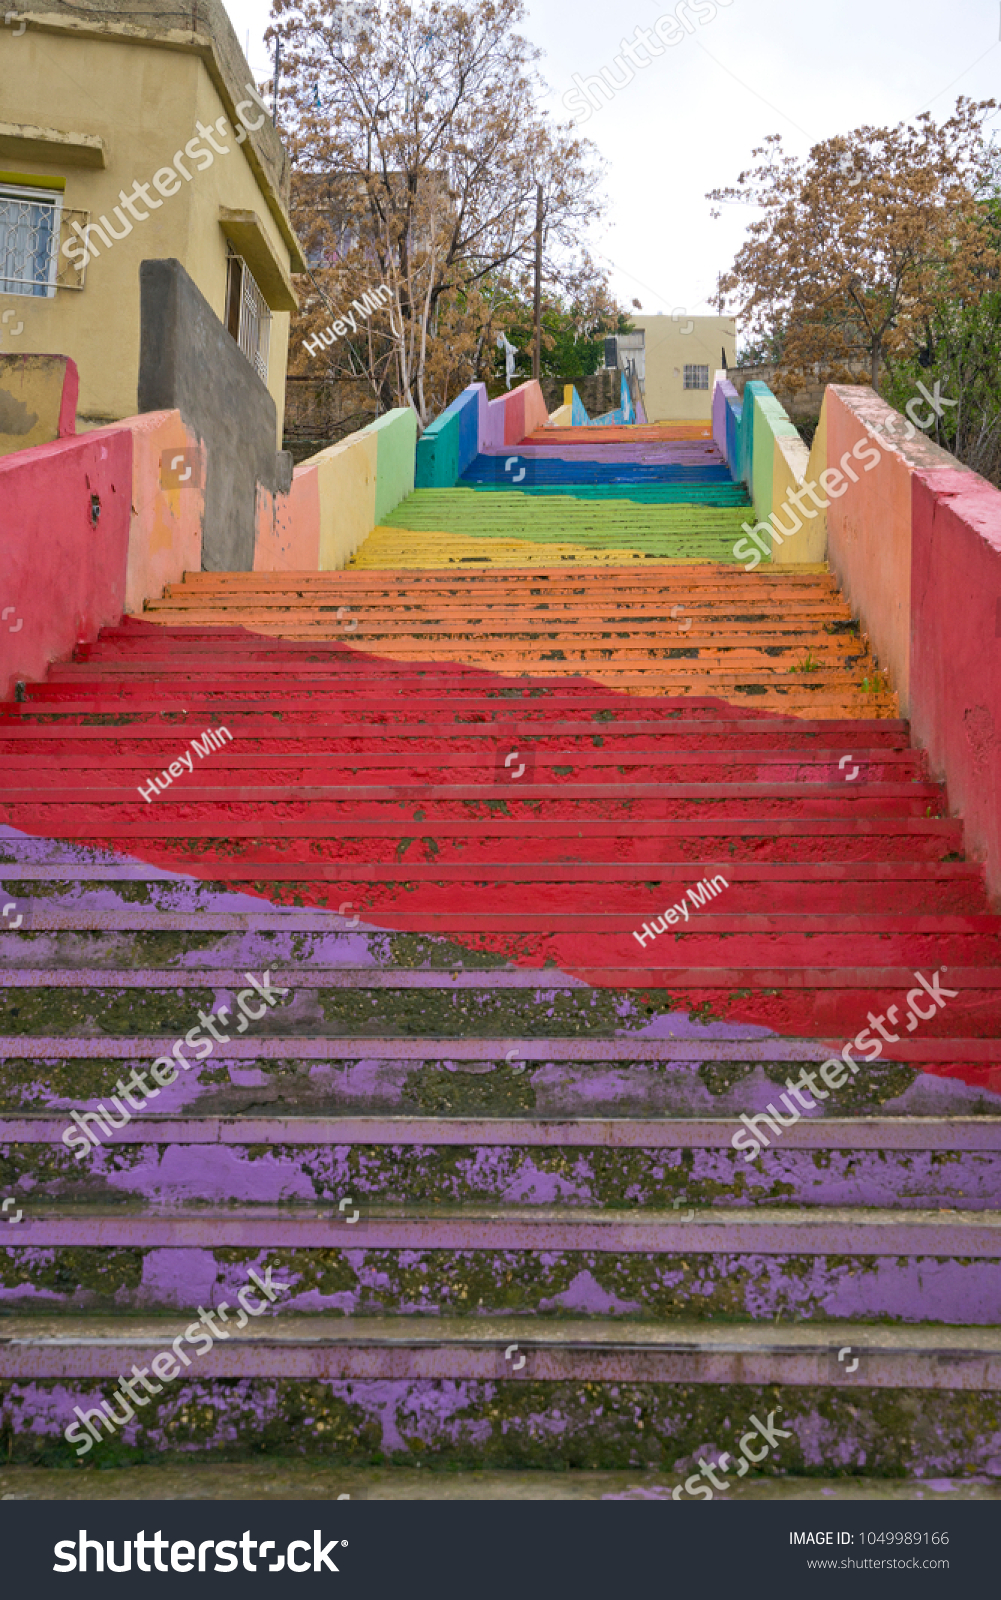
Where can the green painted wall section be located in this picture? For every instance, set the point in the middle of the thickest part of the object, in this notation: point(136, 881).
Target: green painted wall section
point(772, 460)
point(396, 434)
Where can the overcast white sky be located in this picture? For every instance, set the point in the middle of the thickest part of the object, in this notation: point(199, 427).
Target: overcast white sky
point(688, 121)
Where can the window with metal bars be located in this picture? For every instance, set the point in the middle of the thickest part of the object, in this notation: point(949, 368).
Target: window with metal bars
point(29, 239)
point(248, 316)
point(696, 378)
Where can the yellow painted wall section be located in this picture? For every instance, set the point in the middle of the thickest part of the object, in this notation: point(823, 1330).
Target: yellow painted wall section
point(143, 102)
point(165, 531)
point(790, 470)
point(560, 418)
point(671, 344)
point(346, 481)
point(31, 397)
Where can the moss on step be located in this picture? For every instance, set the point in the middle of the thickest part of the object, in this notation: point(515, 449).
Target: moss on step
point(889, 1434)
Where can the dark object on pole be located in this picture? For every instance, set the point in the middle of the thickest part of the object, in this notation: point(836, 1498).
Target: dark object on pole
point(537, 322)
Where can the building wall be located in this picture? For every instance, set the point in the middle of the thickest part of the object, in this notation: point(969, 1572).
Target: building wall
point(188, 361)
point(143, 101)
point(671, 345)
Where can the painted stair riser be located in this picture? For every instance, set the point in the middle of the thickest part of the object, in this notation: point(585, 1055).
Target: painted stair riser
point(813, 703)
point(519, 647)
point(354, 1001)
point(873, 903)
point(616, 806)
point(689, 487)
point(818, 1003)
point(107, 1358)
point(709, 741)
point(40, 771)
point(705, 940)
point(716, 1081)
point(710, 937)
point(568, 683)
point(537, 1424)
point(679, 467)
point(175, 1173)
point(712, 1287)
point(440, 690)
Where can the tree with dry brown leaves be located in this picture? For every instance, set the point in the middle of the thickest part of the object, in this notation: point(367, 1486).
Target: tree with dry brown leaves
point(417, 145)
point(858, 245)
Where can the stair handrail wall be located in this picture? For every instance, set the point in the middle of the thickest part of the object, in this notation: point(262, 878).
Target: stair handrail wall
point(94, 525)
point(473, 425)
point(914, 540)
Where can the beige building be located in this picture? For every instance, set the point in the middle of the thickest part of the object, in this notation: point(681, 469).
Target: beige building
point(130, 131)
point(681, 356)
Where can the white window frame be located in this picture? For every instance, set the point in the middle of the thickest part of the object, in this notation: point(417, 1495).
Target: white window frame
point(692, 376)
point(254, 332)
point(35, 288)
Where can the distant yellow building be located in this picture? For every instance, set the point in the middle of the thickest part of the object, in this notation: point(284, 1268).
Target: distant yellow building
point(681, 356)
point(131, 131)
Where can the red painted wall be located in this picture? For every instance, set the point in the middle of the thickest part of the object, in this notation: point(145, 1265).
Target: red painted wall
point(514, 416)
point(63, 574)
point(956, 649)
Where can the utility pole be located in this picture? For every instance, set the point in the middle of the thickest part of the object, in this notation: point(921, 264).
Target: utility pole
point(278, 68)
point(537, 341)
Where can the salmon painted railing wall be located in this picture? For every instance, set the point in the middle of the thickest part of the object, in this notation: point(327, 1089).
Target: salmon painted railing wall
point(914, 540)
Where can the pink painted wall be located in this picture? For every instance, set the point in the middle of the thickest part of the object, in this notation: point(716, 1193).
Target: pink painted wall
point(956, 649)
point(288, 526)
point(63, 574)
point(165, 534)
point(869, 525)
point(514, 416)
point(506, 420)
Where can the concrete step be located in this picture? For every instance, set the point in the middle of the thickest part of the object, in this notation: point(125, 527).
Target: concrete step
point(320, 1389)
point(700, 727)
point(483, 1117)
point(316, 1479)
point(818, 1231)
point(356, 1273)
point(803, 1355)
point(672, 1165)
point(298, 1076)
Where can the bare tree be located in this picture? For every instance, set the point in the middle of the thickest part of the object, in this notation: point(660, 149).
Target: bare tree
point(418, 144)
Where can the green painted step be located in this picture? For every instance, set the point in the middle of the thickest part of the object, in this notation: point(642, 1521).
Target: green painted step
point(696, 531)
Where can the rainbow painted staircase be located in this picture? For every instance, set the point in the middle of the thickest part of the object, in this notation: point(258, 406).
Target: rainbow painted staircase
point(485, 1136)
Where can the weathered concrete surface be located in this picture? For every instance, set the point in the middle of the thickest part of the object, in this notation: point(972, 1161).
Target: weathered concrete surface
point(189, 363)
point(313, 1480)
point(37, 398)
point(348, 1279)
point(511, 1424)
